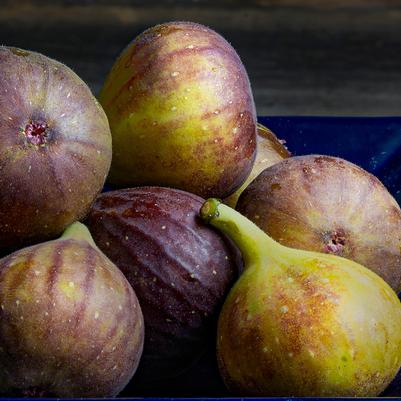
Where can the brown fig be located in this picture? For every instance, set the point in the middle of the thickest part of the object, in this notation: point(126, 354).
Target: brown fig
point(55, 148)
point(270, 150)
point(70, 323)
point(180, 269)
point(326, 204)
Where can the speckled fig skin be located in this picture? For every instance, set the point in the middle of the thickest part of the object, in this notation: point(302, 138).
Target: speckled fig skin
point(55, 148)
point(70, 323)
point(304, 324)
point(181, 112)
point(270, 150)
point(326, 204)
point(180, 269)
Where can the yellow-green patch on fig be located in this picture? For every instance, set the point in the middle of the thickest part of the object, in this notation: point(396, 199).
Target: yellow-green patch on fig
point(301, 323)
point(270, 150)
point(181, 112)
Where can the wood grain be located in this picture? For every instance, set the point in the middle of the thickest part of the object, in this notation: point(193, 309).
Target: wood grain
point(305, 57)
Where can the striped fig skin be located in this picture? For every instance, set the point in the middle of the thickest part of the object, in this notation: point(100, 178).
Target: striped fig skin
point(45, 187)
point(180, 269)
point(181, 112)
point(70, 323)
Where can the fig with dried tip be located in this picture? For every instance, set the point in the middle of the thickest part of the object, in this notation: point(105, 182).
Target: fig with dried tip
point(270, 150)
point(300, 323)
point(55, 148)
point(70, 323)
point(326, 204)
point(181, 270)
point(181, 112)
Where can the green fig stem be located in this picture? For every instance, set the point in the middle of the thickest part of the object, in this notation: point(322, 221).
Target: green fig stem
point(78, 231)
point(254, 244)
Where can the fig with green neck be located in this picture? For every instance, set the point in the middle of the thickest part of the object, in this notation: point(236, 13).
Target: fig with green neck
point(301, 323)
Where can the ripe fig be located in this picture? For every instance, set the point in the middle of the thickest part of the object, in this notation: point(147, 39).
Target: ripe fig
point(181, 112)
point(326, 204)
point(70, 323)
point(300, 323)
point(270, 150)
point(180, 269)
point(55, 148)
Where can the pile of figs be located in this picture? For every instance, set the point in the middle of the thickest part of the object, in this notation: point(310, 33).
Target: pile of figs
point(285, 287)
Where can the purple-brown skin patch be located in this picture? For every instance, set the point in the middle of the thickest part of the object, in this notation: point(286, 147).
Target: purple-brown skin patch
point(55, 148)
point(180, 269)
point(70, 324)
point(213, 162)
point(326, 204)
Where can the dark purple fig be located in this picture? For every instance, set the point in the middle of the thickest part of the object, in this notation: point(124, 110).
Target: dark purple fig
point(180, 269)
point(70, 323)
point(55, 148)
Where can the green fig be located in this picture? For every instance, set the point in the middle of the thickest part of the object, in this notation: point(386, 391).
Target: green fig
point(181, 112)
point(300, 323)
point(70, 323)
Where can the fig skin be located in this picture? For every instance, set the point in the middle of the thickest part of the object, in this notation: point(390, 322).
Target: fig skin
point(327, 204)
point(181, 112)
point(70, 323)
point(55, 148)
point(303, 324)
point(180, 269)
point(270, 150)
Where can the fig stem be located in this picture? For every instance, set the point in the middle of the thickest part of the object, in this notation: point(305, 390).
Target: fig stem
point(254, 244)
point(78, 231)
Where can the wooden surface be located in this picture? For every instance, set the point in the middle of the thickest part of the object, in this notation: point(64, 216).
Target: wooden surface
point(303, 57)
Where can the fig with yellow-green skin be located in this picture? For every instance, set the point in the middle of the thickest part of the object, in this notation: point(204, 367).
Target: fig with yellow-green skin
point(181, 112)
point(70, 323)
point(301, 323)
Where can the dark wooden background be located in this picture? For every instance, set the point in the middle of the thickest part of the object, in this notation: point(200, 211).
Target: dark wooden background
point(305, 57)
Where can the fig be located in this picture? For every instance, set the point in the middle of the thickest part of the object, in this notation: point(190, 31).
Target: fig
point(270, 150)
point(55, 148)
point(326, 204)
point(70, 323)
point(180, 269)
point(181, 112)
point(301, 323)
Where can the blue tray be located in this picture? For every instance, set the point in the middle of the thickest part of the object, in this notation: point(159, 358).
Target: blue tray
point(374, 143)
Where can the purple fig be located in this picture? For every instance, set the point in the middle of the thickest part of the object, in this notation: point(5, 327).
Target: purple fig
point(180, 269)
point(70, 323)
point(55, 148)
point(326, 204)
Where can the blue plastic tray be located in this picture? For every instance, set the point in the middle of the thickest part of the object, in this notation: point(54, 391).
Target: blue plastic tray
point(374, 143)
